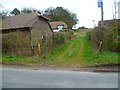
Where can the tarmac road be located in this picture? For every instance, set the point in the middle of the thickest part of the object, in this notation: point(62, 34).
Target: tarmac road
point(27, 78)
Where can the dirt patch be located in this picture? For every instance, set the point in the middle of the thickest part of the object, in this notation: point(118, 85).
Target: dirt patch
point(101, 68)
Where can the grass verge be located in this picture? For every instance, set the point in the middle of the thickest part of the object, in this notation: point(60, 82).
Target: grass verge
point(77, 52)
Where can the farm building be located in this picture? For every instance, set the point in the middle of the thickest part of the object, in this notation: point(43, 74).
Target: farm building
point(58, 25)
point(26, 34)
point(110, 23)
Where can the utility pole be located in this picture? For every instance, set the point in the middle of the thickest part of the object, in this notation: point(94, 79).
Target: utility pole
point(115, 14)
point(115, 6)
point(100, 5)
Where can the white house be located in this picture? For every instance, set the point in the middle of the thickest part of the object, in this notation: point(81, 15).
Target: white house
point(58, 25)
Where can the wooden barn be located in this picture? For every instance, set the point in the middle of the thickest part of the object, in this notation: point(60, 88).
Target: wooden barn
point(26, 34)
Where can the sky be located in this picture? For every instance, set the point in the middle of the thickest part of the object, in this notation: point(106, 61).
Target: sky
point(87, 11)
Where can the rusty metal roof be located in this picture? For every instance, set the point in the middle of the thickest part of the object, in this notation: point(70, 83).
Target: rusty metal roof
point(21, 21)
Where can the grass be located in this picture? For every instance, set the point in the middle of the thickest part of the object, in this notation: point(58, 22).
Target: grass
point(77, 52)
point(19, 60)
point(94, 58)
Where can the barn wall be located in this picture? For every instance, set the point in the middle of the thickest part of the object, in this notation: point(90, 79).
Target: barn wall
point(42, 25)
point(110, 23)
point(42, 34)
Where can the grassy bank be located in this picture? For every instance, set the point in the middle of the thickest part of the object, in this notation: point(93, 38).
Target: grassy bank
point(77, 52)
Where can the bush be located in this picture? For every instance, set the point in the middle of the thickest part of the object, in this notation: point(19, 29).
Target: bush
point(97, 36)
point(15, 43)
point(60, 38)
point(108, 37)
point(88, 35)
point(114, 42)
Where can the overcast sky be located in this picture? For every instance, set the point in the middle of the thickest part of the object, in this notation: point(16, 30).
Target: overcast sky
point(86, 10)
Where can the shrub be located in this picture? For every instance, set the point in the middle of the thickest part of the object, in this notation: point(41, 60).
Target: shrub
point(114, 43)
point(88, 35)
point(97, 36)
point(108, 37)
point(18, 42)
point(15, 43)
point(60, 38)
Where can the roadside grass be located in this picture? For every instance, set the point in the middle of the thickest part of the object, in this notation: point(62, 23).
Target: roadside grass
point(96, 58)
point(19, 60)
point(77, 52)
point(0, 58)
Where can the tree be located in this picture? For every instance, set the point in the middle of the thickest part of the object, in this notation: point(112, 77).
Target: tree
point(26, 10)
point(4, 14)
point(15, 11)
point(83, 27)
point(29, 10)
point(61, 14)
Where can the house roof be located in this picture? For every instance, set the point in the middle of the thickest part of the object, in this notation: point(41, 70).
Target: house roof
point(58, 23)
point(21, 21)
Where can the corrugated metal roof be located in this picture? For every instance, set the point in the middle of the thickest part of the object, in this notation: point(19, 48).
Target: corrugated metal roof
point(21, 21)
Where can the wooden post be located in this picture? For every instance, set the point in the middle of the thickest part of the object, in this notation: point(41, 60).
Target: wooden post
point(39, 48)
point(100, 45)
point(46, 46)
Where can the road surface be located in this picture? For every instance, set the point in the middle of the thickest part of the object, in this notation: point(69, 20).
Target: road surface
point(28, 78)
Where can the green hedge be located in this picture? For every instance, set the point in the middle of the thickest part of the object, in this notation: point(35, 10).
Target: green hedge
point(60, 38)
point(18, 42)
point(107, 36)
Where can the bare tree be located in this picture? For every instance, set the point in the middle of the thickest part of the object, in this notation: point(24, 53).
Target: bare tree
point(94, 23)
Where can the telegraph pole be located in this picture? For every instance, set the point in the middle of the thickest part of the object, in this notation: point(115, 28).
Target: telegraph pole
point(100, 5)
point(115, 6)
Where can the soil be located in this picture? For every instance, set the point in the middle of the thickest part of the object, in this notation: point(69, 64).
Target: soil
point(100, 68)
